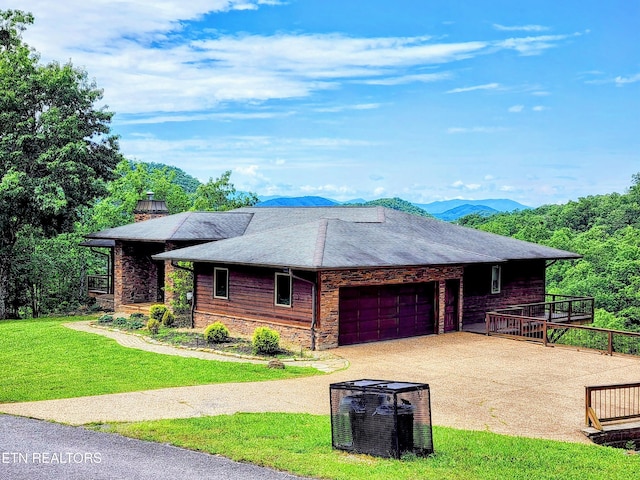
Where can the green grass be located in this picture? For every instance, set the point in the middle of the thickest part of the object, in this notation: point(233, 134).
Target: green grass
point(301, 444)
point(44, 360)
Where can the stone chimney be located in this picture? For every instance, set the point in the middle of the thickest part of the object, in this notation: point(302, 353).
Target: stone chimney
point(150, 208)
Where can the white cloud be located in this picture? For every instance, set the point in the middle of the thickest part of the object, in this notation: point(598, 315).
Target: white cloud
point(486, 86)
point(520, 28)
point(190, 117)
point(507, 188)
point(459, 184)
point(327, 189)
point(630, 79)
point(249, 170)
point(453, 130)
point(516, 108)
point(539, 108)
point(424, 78)
point(379, 191)
point(342, 108)
point(532, 45)
point(151, 56)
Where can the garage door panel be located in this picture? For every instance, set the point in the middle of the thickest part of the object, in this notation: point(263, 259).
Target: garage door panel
point(350, 327)
point(388, 323)
point(388, 312)
point(368, 325)
point(349, 339)
point(406, 300)
point(387, 301)
point(389, 334)
point(384, 312)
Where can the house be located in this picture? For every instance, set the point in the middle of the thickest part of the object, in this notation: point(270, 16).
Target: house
point(328, 276)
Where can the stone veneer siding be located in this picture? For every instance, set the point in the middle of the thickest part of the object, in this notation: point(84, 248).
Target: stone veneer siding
point(136, 275)
point(327, 328)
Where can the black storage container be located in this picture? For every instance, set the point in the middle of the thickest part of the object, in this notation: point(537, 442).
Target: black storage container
point(381, 418)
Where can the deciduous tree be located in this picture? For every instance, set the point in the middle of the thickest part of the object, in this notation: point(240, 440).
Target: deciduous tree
point(56, 150)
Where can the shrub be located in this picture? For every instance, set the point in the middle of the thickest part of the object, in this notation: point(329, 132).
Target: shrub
point(136, 316)
point(216, 333)
point(135, 324)
point(266, 340)
point(157, 311)
point(168, 318)
point(153, 326)
point(104, 319)
point(120, 322)
point(95, 307)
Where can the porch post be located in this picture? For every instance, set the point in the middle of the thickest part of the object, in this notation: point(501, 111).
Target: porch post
point(442, 288)
point(460, 305)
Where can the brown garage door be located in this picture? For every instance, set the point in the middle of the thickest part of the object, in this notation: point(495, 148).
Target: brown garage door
point(384, 312)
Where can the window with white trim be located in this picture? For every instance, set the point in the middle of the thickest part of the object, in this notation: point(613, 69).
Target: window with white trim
point(283, 289)
point(496, 278)
point(221, 283)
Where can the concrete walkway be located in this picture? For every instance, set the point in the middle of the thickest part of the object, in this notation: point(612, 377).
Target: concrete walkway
point(477, 383)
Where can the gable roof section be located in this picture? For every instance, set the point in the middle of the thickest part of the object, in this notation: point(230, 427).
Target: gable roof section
point(385, 238)
point(187, 226)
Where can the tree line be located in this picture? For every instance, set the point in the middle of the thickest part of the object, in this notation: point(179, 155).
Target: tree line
point(62, 176)
point(605, 229)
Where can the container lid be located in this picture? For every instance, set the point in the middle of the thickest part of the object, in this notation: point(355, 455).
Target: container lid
point(381, 385)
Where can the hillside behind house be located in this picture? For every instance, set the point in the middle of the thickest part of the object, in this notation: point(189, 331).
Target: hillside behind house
point(449, 210)
point(307, 201)
point(605, 229)
point(498, 204)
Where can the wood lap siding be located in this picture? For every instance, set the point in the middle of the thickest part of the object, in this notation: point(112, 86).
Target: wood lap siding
point(251, 295)
point(522, 282)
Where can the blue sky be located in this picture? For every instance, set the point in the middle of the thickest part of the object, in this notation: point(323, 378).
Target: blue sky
point(537, 101)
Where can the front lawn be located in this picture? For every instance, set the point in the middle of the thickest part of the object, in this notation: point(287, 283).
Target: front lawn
point(301, 444)
point(44, 360)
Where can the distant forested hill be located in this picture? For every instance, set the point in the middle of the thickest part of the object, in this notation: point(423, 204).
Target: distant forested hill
point(187, 182)
point(605, 229)
point(499, 204)
point(398, 204)
point(464, 210)
point(308, 201)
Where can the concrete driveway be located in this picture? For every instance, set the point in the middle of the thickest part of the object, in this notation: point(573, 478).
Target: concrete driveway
point(477, 383)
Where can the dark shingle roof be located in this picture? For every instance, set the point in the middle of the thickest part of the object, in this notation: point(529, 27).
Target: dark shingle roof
point(187, 226)
point(349, 237)
point(98, 243)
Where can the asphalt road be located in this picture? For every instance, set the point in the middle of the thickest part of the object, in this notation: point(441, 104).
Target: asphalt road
point(34, 449)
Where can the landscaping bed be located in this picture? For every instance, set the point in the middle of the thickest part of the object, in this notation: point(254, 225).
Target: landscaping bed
point(193, 339)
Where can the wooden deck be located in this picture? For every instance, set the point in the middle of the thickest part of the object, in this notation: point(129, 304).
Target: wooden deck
point(612, 414)
point(548, 324)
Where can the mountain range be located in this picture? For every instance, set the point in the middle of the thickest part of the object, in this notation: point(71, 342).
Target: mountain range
point(448, 210)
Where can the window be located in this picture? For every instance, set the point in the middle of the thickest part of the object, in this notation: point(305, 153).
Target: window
point(283, 289)
point(221, 282)
point(496, 282)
